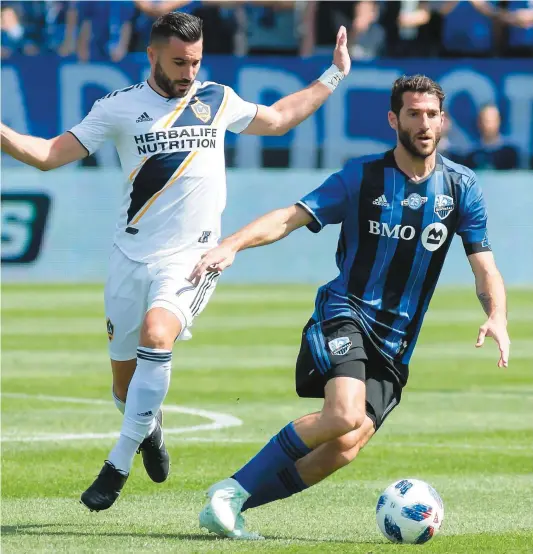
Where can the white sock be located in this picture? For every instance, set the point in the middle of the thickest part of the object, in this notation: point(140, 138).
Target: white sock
point(123, 453)
point(121, 407)
point(146, 393)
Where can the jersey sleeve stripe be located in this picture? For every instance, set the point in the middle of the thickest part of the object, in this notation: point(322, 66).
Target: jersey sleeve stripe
point(88, 153)
point(180, 171)
point(316, 225)
point(477, 247)
point(222, 108)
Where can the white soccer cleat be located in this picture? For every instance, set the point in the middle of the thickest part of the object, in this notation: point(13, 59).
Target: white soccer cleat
point(208, 522)
point(242, 534)
point(226, 499)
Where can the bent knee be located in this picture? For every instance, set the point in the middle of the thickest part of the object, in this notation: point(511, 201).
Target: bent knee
point(367, 430)
point(154, 336)
point(159, 330)
point(344, 450)
point(346, 447)
point(342, 422)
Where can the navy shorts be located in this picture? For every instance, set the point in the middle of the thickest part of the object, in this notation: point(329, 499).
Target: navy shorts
point(338, 348)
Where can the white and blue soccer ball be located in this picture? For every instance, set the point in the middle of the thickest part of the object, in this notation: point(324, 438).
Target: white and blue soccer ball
point(410, 511)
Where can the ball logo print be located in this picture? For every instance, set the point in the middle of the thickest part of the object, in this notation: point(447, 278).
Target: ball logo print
point(392, 529)
point(434, 236)
point(381, 502)
point(417, 512)
point(403, 487)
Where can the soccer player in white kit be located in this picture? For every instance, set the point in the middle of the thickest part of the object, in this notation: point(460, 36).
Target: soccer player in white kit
point(169, 134)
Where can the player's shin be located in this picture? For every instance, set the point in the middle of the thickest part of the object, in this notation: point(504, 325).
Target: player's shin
point(146, 393)
point(285, 483)
point(121, 407)
point(323, 461)
point(279, 453)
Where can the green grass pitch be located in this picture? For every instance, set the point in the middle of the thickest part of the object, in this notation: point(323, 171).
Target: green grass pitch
point(463, 425)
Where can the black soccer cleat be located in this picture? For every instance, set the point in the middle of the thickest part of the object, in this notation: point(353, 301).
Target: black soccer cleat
point(105, 490)
point(154, 452)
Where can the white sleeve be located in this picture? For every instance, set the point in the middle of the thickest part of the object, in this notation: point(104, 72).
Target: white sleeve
point(95, 128)
point(239, 112)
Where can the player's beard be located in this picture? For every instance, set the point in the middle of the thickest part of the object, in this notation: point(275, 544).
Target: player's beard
point(167, 85)
point(408, 142)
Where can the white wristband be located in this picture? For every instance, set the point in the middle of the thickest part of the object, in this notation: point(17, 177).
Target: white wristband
point(331, 77)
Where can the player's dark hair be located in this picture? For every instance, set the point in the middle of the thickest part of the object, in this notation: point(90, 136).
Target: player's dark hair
point(184, 26)
point(413, 83)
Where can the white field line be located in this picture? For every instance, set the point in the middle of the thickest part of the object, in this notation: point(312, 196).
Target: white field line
point(218, 420)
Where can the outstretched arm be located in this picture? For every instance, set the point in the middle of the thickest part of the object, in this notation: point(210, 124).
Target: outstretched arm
point(520, 18)
point(44, 154)
point(155, 9)
point(267, 229)
point(291, 110)
point(491, 293)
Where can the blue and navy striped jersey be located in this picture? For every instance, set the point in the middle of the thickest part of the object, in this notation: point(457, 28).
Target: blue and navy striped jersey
point(395, 234)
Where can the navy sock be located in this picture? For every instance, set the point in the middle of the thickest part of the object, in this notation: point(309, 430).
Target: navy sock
point(286, 483)
point(280, 452)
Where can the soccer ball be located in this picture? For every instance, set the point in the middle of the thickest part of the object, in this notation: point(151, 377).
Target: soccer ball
point(409, 511)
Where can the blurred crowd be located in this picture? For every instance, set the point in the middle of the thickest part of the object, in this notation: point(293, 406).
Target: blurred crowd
point(492, 150)
point(96, 30)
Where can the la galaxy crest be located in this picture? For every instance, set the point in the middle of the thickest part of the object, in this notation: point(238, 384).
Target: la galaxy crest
point(201, 111)
point(110, 329)
point(443, 205)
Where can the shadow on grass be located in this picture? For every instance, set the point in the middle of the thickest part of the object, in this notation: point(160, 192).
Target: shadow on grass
point(46, 529)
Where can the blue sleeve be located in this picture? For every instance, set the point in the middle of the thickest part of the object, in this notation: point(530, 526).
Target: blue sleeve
point(328, 203)
point(473, 220)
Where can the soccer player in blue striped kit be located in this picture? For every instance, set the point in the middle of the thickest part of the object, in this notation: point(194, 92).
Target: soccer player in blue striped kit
point(398, 211)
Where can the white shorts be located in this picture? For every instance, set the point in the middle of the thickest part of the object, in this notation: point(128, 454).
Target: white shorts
point(133, 288)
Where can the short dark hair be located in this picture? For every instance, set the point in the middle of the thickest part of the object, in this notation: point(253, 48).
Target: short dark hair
point(413, 83)
point(184, 26)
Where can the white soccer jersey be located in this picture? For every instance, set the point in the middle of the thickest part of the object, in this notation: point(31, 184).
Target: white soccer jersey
point(172, 156)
